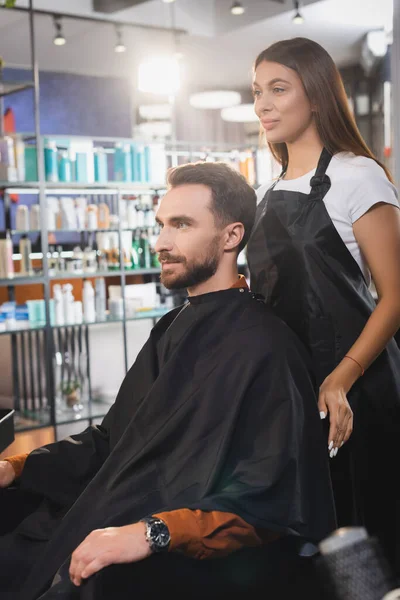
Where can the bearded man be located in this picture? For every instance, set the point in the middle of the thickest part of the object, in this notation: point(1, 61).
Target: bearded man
point(213, 449)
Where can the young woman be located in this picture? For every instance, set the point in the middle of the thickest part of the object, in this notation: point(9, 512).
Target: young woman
point(329, 223)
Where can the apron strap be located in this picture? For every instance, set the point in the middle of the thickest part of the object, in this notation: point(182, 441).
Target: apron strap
point(320, 182)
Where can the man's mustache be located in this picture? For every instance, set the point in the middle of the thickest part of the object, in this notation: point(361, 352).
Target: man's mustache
point(167, 257)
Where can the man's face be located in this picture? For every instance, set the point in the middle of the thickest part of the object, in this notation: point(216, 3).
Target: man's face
point(189, 246)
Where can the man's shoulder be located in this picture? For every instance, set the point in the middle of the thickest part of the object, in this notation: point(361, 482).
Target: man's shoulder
point(265, 326)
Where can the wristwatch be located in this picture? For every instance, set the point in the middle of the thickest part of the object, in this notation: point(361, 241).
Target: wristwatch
point(157, 534)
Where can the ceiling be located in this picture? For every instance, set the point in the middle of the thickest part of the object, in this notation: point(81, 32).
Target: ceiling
point(218, 48)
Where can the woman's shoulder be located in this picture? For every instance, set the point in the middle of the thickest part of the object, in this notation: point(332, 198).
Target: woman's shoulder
point(347, 166)
point(263, 189)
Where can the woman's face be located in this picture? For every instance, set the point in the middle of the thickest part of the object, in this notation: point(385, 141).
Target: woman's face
point(281, 103)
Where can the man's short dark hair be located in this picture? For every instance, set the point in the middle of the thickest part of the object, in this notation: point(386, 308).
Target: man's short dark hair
point(233, 199)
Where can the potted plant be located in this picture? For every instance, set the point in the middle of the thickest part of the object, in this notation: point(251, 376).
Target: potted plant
point(70, 391)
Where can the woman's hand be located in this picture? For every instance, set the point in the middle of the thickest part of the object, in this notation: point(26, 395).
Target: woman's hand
point(333, 401)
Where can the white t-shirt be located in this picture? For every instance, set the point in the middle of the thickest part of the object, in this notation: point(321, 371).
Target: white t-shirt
point(357, 183)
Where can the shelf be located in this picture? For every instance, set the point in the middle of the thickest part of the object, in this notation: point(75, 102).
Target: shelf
point(112, 187)
point(21, 280)
point(24, 232)
point(11, 87)
point(31, 327)
point(105, 274)
point(140, 315)
point(62, 276)
point(29, 420)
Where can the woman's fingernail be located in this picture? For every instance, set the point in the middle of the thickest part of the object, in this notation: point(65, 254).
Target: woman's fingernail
point(322, 414)
point(332, 453)
point(330, 446)
point(341, 444)
point(336, 450)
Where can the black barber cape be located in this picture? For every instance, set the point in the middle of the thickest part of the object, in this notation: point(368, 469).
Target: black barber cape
point(218, 412)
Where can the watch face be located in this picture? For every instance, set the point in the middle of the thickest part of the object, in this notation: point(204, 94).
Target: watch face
point(159, 534)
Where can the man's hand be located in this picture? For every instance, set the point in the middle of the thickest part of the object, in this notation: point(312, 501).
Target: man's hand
point(7, 473)
point(110, 546)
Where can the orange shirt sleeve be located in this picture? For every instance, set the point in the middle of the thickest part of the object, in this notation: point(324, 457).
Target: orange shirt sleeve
point(17, 462)
point(213, 534)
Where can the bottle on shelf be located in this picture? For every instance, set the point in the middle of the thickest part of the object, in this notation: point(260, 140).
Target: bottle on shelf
point(6, 253)
point(25, 249)
point(145, 257)
point(100, 299)
point(52, 259)
point(50, 161)
point(136, 250)
point(78, 312)
point(22, 218)
point(34, 217)
point(68, 303)
point(103, 216)
point(92, 217)
point(58, 304)
point(89, 260)
point(100, 165)
point(89, 309)
point(65, 167)
point(61, 265)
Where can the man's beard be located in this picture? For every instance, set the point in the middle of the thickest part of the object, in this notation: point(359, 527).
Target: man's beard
point(196, 271)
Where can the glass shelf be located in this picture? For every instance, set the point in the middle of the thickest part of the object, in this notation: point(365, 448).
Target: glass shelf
point(109, 187)
point(21, 280)
point(140, 315)
point(24, 232)
point(28, 420)
point(66, 275)
point(104, 274)
point(11, 87)
point(24, 328)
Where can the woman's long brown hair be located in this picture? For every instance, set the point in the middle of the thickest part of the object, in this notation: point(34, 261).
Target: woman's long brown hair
point(324, 87)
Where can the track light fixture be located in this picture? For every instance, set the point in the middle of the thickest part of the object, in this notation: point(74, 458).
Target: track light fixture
point(237, 8)
point(119, 46)
point(59, 39)
point(298, 18)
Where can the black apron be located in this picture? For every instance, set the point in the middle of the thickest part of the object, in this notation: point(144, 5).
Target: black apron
point(305, 272)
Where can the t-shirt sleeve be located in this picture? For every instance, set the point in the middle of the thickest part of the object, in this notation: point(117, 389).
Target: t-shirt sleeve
point(373, 189)
point(262, 190)
point(210, 534)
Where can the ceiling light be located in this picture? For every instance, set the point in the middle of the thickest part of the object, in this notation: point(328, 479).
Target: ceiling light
point(159, 76)
point(155, 111)
point(377, 42)
point(215, 99)
point(168, 1)
point(243, 113)
point(119, 46)
point(59, 39)
point(298, 19)
point(154, 129)
point(237, 8)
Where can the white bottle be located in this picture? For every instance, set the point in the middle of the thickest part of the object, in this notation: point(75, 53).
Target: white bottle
point(68, 303)
point(89, 311)
point(78, 312)
point(58, 304)
point(100, 300)
point(6, 255)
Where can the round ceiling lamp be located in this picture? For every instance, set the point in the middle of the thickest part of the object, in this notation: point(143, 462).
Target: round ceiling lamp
point(154, 129)
point(152, 112)
point(243, 113)
point(216, 99)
